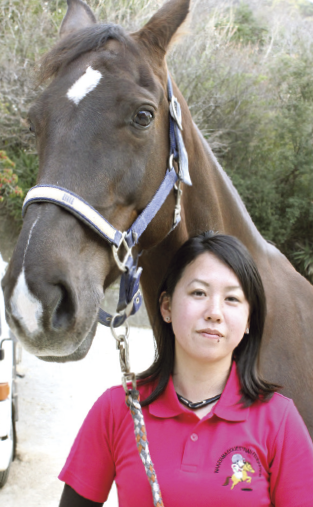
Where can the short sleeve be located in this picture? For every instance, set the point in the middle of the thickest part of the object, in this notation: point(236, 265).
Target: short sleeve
point(89, 468)
point(291, 470)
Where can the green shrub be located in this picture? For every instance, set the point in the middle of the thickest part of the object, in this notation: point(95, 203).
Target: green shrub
point(10, 192)
point(249, 29)
point(303, 259)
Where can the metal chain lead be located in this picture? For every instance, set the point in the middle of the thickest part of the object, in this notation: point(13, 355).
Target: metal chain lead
point(133, 402)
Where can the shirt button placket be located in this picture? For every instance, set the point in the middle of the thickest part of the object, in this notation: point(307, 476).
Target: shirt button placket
point(191, 454)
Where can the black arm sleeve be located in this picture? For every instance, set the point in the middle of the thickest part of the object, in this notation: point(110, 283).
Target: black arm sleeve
point(72, 499)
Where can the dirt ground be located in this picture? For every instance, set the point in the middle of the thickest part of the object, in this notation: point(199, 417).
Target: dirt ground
point(53, 401)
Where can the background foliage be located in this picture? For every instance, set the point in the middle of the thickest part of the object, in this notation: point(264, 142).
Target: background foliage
point(245, 69)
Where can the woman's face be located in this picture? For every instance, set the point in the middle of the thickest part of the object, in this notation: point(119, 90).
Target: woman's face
point(208, 310)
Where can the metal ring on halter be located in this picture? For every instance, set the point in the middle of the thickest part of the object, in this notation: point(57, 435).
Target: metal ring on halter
point(122, 264)
point(119, 337)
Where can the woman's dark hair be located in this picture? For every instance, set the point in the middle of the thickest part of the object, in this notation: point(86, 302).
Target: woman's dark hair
point(233, 253)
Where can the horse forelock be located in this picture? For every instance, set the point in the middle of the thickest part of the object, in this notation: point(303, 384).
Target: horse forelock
point(68, 49)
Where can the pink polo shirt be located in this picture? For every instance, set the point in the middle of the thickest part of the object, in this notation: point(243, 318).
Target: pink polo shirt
point(235, 456)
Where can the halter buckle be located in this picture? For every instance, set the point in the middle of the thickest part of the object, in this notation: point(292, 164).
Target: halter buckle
point(122, 264)
point(175, 111)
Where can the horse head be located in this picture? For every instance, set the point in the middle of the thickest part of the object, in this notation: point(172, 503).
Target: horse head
point(248, 467)
point(101, 129)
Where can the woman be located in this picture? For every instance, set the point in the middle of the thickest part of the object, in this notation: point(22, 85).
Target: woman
point(218, 433)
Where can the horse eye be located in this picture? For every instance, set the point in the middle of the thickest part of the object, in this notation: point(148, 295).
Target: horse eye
point(143, 118)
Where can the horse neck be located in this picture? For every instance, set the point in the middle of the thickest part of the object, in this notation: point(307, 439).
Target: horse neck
point(213, 203)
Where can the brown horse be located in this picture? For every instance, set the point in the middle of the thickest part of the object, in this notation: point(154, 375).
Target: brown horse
point(102, 132)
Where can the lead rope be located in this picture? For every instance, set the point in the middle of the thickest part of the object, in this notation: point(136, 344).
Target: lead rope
point(133, 403)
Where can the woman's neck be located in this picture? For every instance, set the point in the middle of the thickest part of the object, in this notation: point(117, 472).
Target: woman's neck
point(197, 382)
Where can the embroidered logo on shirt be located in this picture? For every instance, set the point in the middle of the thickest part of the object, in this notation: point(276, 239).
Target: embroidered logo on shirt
point(242, 462)
point(240, 468)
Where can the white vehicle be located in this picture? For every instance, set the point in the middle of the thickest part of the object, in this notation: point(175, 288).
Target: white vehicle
point(8, 392)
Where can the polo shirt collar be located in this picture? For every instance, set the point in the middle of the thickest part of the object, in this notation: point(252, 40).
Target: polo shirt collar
point(228, 407)
point(167, 404)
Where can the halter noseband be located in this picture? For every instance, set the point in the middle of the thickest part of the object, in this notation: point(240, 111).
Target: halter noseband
point(130, 298)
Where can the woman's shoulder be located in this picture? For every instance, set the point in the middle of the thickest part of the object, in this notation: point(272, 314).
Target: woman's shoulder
point(285, 424)
point(277, 402)
point(275, 411)
point(280, 400)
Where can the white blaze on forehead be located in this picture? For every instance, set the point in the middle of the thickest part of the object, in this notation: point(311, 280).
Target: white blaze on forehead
point(26, 308)
point(85, 84)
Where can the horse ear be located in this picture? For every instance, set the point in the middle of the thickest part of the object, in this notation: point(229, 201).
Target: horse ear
point(78, 15)
point(161, 28)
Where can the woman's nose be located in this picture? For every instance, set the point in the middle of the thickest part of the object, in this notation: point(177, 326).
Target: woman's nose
point(213, 311)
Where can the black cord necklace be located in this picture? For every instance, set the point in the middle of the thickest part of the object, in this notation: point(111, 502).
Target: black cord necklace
point(198, 404)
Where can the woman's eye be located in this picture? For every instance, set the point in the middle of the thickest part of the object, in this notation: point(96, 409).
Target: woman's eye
point(143, 118)
point(233, 299)
point(198, 292)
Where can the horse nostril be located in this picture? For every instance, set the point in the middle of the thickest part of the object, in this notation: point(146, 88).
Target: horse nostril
point(64, 312)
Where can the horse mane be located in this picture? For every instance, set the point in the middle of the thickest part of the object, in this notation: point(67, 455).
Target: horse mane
point(76, 44)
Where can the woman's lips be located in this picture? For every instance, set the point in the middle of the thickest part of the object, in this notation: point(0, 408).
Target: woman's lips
point(212, 333)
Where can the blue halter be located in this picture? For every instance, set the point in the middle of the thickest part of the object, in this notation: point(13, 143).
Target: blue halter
point(130, 298)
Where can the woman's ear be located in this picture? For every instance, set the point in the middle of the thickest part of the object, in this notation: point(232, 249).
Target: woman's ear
point(165, 307)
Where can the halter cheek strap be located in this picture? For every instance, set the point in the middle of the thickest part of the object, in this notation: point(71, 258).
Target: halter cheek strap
point(130, 298)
